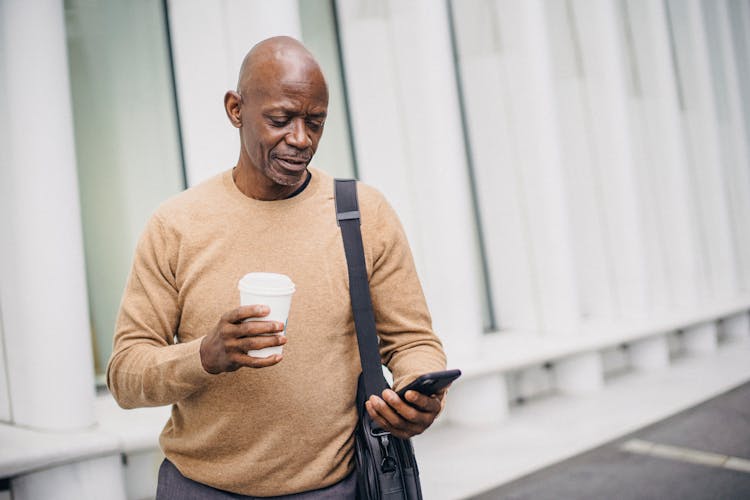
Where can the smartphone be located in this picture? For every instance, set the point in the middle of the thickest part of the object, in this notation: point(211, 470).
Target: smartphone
point(430, 383)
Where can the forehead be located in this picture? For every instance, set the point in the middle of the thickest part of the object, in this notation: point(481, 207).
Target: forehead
point(293, 81)
point(293, 95)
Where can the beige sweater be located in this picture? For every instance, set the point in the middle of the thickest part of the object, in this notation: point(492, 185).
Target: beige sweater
point(286, 428)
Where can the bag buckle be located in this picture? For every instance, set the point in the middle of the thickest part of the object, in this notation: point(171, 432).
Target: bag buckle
point(389, 463)
point(377, 432)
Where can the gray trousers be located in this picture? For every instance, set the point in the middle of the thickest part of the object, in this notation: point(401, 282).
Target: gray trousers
point(174, 486)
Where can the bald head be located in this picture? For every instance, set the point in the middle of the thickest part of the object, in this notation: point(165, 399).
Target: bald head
point(278, 58)
point(280, 107)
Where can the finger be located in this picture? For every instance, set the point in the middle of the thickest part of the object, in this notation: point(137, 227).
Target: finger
point(243, 360)
point(375, 416)
point(232, 332)
point(407, 411)
point(251, 328)
point(427, 404)
point(393, 419)
point(259, 342)
point(383, 423)
point(250, 311)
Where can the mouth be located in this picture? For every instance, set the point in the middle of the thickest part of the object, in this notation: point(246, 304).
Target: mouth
point(292, 164)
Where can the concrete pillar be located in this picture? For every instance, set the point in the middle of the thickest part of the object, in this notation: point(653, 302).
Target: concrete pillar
point(92, 479)
point(607, 127)
point(670, 238)
point(576, 102)
point(478, 401)
point(651, 353)
point(736, 327)
point(700, 339)
point(407, 127)
point(43, 284)
point(579, 374)
point(709, 208)
point(727, 61)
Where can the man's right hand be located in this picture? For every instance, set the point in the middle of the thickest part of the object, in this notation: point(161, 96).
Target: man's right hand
point(225, 349)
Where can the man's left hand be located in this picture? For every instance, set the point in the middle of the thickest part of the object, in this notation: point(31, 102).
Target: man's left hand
point(403, 419)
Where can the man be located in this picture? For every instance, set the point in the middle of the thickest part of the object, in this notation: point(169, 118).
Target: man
point(283, 425)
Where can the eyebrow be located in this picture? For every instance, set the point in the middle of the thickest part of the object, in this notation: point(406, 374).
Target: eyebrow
point(289, 111)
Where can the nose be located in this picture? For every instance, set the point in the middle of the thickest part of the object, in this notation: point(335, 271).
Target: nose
point(298, 136)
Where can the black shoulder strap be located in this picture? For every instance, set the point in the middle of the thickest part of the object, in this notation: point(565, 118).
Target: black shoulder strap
point(348, 217)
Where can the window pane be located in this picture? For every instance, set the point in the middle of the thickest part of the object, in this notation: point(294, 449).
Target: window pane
point(126, 140)
point(318, 22)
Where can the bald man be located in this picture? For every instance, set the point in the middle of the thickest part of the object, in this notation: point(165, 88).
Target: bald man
point(281, 426)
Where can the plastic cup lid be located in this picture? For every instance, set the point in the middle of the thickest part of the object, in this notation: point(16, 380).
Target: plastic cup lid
point(266, 283)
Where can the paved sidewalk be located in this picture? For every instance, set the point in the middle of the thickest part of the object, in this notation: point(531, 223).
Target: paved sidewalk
point(701, 453)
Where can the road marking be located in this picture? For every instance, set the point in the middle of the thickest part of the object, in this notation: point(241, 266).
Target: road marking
point(688, 455)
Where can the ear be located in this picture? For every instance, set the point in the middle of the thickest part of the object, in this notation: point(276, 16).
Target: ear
point(232, 105)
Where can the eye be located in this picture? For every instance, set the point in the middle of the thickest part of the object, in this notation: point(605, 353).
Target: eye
point(315, 125)
point(279, 121)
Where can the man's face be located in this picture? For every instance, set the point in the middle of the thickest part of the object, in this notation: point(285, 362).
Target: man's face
point(283, 112)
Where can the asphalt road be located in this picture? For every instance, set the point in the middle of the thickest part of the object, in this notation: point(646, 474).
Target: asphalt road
point(701, 453)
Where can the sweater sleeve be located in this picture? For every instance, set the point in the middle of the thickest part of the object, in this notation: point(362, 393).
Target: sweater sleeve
point(147, 367)
point(408, 346)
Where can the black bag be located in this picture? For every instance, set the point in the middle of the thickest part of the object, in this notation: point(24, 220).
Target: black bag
point(385, 465)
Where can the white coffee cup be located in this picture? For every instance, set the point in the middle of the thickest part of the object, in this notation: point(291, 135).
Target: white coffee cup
point(270, 289)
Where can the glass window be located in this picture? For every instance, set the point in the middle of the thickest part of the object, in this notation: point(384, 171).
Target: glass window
point(127, 140)
point(489, 36)
point(320, 35)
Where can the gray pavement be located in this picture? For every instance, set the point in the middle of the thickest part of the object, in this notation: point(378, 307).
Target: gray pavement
point(720, 428)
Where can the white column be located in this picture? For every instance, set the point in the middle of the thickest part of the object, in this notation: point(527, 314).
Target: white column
point(540, 165)
point(736, 327)
point(579, 374)
point(650, 353)
point(604, 87)
point(708, 206)
point(700, 339)
point(671, 240)
point(209, 41)
point(409, 143)
point(42, 277)
point(733, 129)
point(92, 479)
point(581, 174)
point(478, 401)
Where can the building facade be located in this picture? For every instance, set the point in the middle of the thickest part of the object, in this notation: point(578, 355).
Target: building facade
point(573, 177)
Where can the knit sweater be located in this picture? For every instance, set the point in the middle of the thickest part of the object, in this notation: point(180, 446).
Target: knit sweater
point(289, 427)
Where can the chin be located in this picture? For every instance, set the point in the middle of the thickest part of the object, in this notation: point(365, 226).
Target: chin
point(284, 176)
point(285, 179)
